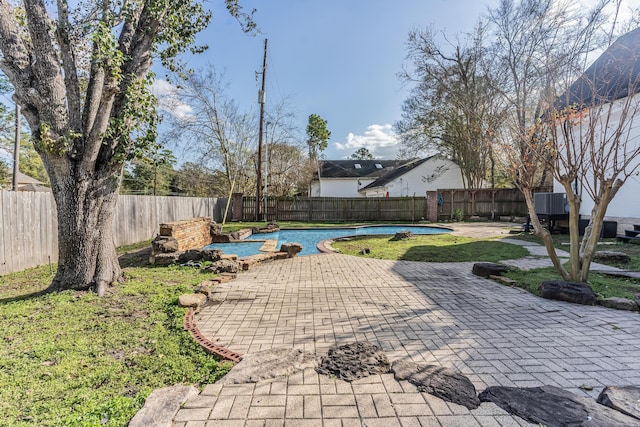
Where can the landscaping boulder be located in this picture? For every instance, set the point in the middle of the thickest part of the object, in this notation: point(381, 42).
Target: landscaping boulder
point(365, 251)
point(272, 227)
point(577, 293)
point(164, 244)
point(622, 399)
point(190, 255)
point(215, 228)
point(441, 382)
point(220, 238)
point(486, 269)
point(210, 254)
point(619, 303)
point(554, 407)
point(352, 361)
point(200, 255)
point(292, 249)
point(165, 258)
point(401, 235)
point(205, 288)
point(162, 405)
point(223, 266)
point(192, 301)
point(611, 257)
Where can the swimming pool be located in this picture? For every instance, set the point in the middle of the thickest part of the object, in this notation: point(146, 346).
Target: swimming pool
point(310, 237)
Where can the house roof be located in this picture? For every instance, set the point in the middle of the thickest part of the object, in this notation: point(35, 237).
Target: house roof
point(26, 179)
point(614, 75)
point(350, 168)
point(395, 173)
point(27, 183)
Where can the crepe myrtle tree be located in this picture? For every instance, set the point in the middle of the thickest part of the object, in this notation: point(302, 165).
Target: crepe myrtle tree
point(81, 73)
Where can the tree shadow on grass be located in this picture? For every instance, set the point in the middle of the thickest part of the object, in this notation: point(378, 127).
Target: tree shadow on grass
point(483, 251)
point(23, 297)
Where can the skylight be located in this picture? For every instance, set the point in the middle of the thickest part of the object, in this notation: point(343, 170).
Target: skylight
point(378, 166)
point(357, 165)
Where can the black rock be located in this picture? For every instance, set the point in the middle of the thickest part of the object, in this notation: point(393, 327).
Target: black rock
point(486, 269)
point(555, 407)
point(352, 361)
point(578, 293)
point(441, 382)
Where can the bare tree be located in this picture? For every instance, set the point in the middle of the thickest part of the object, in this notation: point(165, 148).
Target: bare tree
point(593, 134)
point(212, 124)
point(582, 138)
point(453, 106)
point(284, 146)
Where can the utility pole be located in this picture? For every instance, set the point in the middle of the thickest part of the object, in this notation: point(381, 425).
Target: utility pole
point(266, 166)
point(16, 150)
point(261, 100)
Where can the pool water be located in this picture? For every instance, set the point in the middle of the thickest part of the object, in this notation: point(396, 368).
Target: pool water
point(310, 237)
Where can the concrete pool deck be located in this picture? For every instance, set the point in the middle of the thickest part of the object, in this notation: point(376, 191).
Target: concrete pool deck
point(437, 313)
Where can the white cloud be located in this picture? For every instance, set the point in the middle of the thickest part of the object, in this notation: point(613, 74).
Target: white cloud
point(169, 101)
point(380, 140)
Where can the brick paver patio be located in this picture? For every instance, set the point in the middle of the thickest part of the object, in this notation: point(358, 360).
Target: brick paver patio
point(433, 313)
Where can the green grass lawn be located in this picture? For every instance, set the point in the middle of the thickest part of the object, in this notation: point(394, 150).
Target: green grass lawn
point(73, 359)
point(431, 248)
point(603, 285)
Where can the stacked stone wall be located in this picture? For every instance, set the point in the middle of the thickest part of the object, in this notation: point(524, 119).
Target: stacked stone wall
point(191, 233)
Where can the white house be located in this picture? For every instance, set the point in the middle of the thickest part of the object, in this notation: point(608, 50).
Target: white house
point(606, 86)
point(385, 178)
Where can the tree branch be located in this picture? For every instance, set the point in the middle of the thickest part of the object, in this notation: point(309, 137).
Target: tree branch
point(69, 65)
point(49, 82)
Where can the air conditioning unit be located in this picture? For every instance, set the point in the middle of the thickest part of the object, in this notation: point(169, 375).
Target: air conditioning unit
point(549, 203)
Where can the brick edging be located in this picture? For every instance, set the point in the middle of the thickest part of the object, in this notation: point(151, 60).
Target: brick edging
point(210, 347)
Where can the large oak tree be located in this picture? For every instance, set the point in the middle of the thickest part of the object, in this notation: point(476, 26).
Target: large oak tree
point(81, 75)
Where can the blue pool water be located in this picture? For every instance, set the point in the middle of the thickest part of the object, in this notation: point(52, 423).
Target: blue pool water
point(310, 237)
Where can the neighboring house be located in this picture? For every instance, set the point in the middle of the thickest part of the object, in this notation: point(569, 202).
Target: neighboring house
point(385, 178)
point(609, 80)
point(26, 183)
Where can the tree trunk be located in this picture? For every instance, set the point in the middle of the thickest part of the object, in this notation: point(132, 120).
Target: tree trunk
point(543, 234)
point(87, 254)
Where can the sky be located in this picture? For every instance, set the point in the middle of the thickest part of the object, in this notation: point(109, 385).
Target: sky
point(335, 58)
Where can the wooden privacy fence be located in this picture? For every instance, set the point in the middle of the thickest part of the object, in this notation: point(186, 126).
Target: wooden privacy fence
point(318, 209)
point(28, 223)
point(486, 202)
